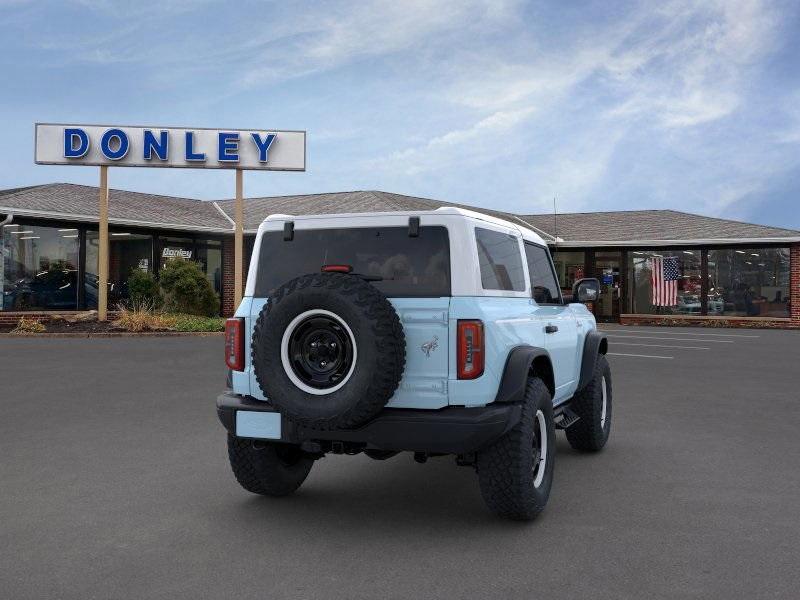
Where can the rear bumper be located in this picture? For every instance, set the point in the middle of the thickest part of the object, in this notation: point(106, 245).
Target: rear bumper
point(452, 430)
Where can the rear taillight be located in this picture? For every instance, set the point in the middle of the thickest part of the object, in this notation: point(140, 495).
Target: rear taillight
point(470, 349)
point(234, 344)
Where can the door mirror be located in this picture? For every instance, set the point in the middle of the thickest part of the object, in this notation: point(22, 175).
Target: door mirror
point(586, 290)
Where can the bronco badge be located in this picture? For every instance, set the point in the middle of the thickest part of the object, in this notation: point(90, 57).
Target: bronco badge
point(429, 347)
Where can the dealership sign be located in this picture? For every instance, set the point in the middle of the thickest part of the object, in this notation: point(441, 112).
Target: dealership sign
point(193, 148)
point(176, 253)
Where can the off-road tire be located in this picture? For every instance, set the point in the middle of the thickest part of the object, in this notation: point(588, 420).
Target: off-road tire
point(268, 468)
point(379, 338)
point(506, 469)
point(588, 434)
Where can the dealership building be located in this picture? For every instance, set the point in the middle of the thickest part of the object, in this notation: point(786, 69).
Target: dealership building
point(726, 272)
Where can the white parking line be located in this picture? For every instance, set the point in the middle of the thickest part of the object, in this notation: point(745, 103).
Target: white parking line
point(660, 346)
point(736, 335)
point(651, 337)
point(639, 355)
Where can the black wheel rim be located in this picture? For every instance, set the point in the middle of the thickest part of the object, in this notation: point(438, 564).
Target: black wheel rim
point(320, 352)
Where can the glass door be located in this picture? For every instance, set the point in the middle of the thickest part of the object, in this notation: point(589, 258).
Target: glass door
point(607, 268)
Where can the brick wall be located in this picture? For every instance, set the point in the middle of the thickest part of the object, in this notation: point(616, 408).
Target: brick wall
point(227, 277)
point(794, 283)
point(710, 321)
point(228, 274)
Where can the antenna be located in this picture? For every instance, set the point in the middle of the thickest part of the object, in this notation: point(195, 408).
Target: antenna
point(555, 220)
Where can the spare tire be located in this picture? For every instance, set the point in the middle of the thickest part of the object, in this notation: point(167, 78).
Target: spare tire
point(328, 350)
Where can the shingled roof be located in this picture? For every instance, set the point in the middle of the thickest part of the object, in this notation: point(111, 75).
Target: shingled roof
point(79, 203)
point(258, 209)
point(636, 226)
point(640, 227)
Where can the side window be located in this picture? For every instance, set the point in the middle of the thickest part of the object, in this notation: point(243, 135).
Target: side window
point(500, 261)
point(543, 281)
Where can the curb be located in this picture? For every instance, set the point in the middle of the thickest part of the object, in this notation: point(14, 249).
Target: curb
point(114, 334)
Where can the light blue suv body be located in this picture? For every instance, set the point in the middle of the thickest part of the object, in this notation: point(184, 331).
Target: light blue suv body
point(511, 319)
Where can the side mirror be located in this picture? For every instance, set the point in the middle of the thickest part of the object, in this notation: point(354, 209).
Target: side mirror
point(586, 290)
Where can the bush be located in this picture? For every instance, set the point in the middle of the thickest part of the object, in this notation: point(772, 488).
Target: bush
point(143, 289)
point(141, 316)
point(28, 325)
point(186, 289)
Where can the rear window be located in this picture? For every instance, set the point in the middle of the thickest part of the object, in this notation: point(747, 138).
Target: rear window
point(500, 261)
point(406, 266)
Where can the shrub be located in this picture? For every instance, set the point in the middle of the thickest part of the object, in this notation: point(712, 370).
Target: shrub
point(186, 289)
point(141, 316)
point(143, 289)
point(28, 325)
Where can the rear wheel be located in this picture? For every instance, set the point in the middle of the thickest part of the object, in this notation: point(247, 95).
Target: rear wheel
point(593, 405)
point(516, 472)
point(268, 468)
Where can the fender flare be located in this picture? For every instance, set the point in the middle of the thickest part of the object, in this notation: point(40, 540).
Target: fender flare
point(595, 344)
point(519, 364)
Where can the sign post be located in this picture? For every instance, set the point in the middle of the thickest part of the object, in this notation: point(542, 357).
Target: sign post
point(238, 241)
point(103, 253)
point(176, 147)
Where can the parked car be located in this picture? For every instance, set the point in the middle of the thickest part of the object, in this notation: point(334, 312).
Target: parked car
point(52, 289)
point(439, 333)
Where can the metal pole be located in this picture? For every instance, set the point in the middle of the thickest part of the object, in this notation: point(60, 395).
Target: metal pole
point(238, 280)
point(102, 257)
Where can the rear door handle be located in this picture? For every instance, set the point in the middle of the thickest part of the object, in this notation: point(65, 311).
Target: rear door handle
point(550, 328)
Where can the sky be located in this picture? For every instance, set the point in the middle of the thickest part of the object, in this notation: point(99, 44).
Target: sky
point(504, 104)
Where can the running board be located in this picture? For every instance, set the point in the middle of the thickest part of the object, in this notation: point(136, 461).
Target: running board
point(566, 418)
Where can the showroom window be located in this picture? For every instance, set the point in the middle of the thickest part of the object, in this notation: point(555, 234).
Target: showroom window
point(128, 251)
point(570, 266)
point(747, 282)
point(666, 282)
point(209, 255)
point(500, 260)
point(39, 267)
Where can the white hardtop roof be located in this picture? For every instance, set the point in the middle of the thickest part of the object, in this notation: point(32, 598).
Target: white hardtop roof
point(523, 228)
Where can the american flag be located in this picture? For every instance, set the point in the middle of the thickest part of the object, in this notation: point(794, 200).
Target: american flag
point(664, 277)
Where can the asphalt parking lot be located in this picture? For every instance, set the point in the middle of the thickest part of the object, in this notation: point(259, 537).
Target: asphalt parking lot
point(115, 484)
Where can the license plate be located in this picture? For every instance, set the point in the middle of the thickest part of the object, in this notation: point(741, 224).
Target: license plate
point(265, 425)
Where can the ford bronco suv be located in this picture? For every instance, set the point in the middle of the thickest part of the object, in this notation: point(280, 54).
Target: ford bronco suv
point(435, 332)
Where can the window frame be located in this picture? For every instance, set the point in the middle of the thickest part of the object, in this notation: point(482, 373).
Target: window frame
point(260, 292)
point(524, 293)
point(552, 273)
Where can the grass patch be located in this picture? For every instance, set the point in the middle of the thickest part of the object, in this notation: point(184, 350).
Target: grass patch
point(144, 317)
point(182, 322)
point(27, 325)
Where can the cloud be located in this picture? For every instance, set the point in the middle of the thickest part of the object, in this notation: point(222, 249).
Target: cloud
point(587, 99)
point(467, 146)
point(330, 37)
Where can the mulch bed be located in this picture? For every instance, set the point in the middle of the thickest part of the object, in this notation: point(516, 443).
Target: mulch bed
point(61, 326)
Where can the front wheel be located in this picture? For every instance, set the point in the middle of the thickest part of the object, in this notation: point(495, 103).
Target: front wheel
point(516, 472)
point(268, 468)
point(593, 405)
